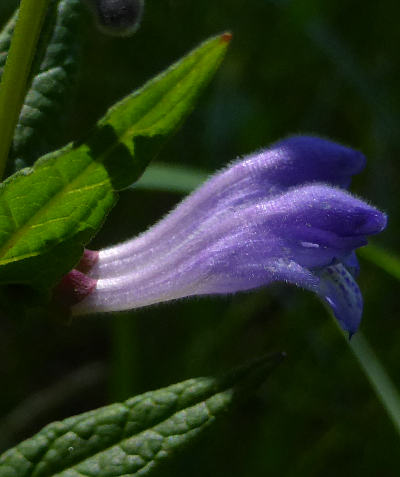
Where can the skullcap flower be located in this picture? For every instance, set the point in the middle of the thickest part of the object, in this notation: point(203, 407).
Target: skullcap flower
point(280, 215)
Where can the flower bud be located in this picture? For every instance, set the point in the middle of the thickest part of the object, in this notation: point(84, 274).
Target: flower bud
point(117, 17)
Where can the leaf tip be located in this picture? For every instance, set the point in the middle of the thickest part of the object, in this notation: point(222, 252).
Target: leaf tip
point(226, 37)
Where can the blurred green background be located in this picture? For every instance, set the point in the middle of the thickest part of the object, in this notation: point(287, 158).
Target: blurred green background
point(329, 68)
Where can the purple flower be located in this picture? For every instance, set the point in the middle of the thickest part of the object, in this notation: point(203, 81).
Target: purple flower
point(277, 215)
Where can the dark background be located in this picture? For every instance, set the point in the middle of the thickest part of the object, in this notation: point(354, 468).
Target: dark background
point(328, 68)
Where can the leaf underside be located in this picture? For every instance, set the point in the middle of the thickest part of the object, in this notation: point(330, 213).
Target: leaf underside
point(49, 212)
point(132, 438)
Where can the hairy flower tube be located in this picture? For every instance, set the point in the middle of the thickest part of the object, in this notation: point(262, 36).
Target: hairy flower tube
point(280, 215)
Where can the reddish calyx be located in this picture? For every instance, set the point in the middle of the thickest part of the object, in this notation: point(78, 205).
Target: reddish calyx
point(89, 258)
point(73, 288)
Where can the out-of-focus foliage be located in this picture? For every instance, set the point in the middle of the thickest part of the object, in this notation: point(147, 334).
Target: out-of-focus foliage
point(329, 68)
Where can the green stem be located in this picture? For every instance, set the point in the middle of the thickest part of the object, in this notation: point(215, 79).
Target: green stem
point(17, 69)
point(124, 357)
point(377, 376)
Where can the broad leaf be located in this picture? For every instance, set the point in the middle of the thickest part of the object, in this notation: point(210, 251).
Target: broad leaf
point(53, 75)
point(48, 213)
point(134, 437)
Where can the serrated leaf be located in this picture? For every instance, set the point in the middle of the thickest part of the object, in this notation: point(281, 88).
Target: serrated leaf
point(48, 213)
point(132, 438)
point(53, 76)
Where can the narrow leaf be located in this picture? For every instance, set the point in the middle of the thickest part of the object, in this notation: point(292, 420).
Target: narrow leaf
point(134, 437)
point(387, 261)
point(48, 213)
point(171, 178)
point(379, 378)
point(373, 368)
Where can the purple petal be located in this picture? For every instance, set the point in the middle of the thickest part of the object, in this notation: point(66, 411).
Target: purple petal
point(317, 222)
point(291, 162)
point(194, 277)
point(338, 288)
point(325, 208)
point(313, 159)
point(352, 264)
point(280, 239)
point(270, 217)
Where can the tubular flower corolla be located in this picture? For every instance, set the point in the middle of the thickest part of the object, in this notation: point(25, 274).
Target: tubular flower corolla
point(278, 215)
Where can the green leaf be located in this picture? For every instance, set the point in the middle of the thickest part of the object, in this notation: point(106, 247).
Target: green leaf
point(379, 378)
point(171, 178)
point(373, 368)
point(53, 74)
point(134, 437)
point(48, 213)
point(387, 261)
point(144, 119)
